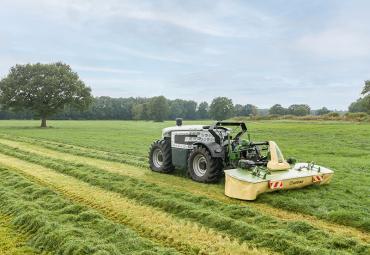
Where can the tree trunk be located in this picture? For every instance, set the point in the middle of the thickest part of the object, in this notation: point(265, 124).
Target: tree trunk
point(43, 122)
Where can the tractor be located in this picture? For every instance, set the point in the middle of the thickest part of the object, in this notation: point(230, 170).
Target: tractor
point(207, 152)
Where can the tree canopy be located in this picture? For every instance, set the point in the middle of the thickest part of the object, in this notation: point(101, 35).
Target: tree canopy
point(366, 88)
point(299, 109)
point(44, 89)
point(159, 108)
point(251, 110)
point(363, 103)
point(221, 108)
point(322, 111)
point(277, 109)
point(202, 111)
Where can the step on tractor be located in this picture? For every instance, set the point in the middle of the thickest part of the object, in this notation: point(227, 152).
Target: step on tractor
point(208, 152)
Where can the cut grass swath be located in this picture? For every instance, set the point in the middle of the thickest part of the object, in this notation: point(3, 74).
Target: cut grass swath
point(187, 237)
point(238, 222)
point(125, 158)
point(13, 242)
point(182, 184)
point(61, 227)
point(173, 182)
point(324, 202)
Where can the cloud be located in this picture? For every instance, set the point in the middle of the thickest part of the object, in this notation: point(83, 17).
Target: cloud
point(336, 43)
point(105, 69)
point(219, 20)
point(260, 52)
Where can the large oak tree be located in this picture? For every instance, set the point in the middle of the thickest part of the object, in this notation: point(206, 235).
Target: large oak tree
point(44, 89)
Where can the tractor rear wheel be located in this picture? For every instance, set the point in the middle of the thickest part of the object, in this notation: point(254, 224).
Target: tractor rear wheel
point(160, 159)
point(202, 167)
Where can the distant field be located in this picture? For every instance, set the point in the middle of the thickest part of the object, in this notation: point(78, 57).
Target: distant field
point(98, 169)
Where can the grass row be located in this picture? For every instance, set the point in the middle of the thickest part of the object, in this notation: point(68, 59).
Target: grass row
point(59, 226)
point(326, 202)
point(125, 158)
point(13, 242)
point(185, 236)
point(181, 184)
point(237, 221)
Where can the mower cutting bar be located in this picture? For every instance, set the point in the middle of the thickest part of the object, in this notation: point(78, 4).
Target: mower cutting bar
point(239, 183)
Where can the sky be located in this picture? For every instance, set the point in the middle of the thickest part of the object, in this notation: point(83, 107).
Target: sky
point(257, 52)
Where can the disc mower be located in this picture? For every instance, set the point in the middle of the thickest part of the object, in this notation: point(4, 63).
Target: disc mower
point(251, 168)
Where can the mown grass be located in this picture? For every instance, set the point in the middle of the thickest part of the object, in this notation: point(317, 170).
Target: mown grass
point(61, 227)
point(13, 242)
point(172, 182)
point(236, 221)
point(344, 147)
point(185, 236)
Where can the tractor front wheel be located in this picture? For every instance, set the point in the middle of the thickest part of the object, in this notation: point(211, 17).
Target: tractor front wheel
point(160, 159)
point(202, 167)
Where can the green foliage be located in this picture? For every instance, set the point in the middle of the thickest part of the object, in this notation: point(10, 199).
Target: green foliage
point(179, 108)
point(357, 116)
point(137, 111)
point(366, 88)
point(299, 109)
point(239, 110)
point(202, 111)
point(159, 108)
point(251, 110)
point(362, 104)
point(221, 108)
point(277, 109)
point(245, 110)
point(44, 89)
point(322, 111)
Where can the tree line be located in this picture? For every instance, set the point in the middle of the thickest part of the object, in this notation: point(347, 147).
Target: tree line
point(156, 108)
point(160, 108)
point(54, 91)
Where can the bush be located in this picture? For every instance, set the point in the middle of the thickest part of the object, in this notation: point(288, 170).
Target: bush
point(333, 114)
point(357, 116)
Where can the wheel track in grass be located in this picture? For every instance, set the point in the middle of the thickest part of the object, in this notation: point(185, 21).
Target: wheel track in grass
point(13, 242)
point(272, 230)
point(171, 181)
point(187, 237)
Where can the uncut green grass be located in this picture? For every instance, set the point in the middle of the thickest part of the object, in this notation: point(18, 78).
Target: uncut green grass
point(59, 226)
point(237, 221)
point(342, 146)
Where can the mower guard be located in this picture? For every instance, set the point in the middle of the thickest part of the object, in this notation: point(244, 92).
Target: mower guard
point(243, 184)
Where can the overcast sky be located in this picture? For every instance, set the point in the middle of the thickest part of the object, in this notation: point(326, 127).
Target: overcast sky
point(259, 52)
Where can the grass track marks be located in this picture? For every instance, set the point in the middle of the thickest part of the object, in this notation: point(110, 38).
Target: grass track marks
point(61, 227)
point(238, 222)
point(185, 185)
point(13, 242)
point(187, 237)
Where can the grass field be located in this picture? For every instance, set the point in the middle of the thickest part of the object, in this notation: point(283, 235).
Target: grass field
point(83, 187)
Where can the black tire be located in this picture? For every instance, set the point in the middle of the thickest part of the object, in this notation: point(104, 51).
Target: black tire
point(160, 159)
point(202, 167)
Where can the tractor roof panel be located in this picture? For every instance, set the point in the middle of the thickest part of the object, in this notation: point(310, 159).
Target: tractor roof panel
point(167, 131)
point(185, 128)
